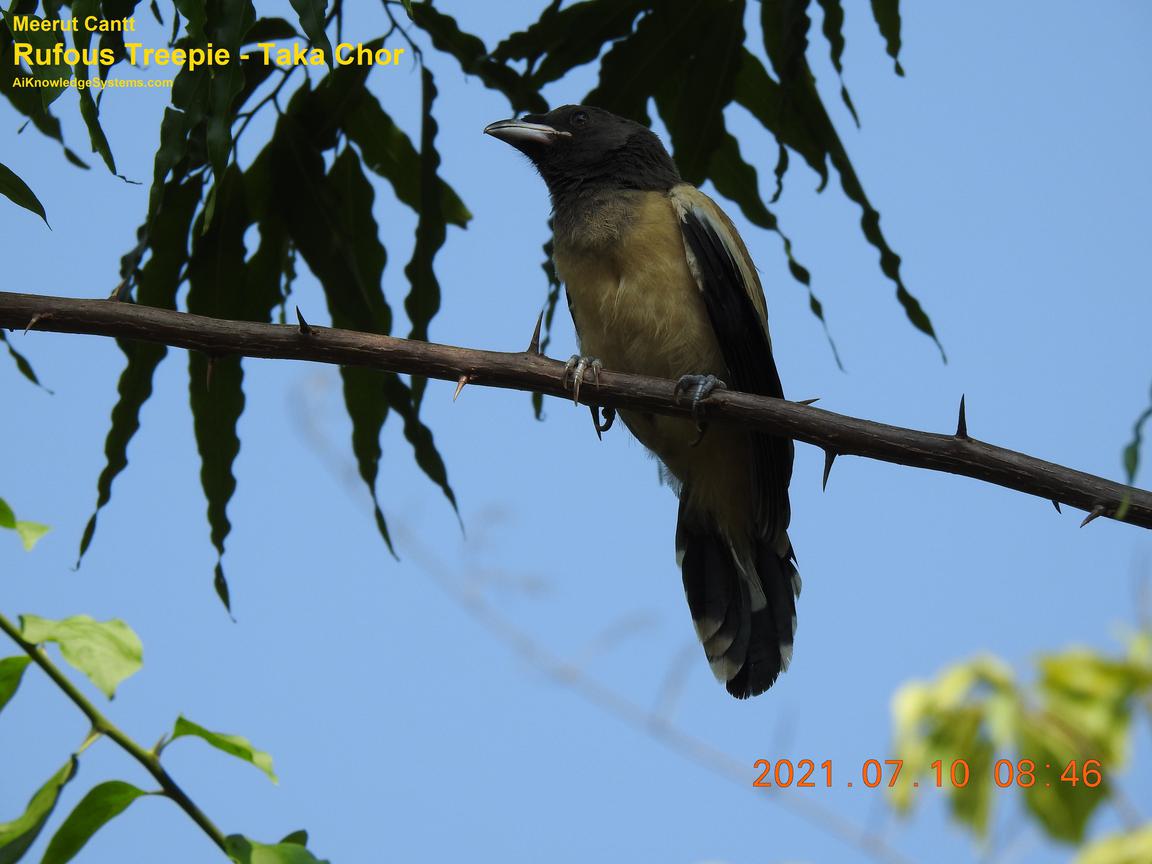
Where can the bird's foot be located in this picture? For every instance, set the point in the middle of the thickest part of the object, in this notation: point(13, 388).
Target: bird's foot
point(609, 417)
point(576, 367)
point(701, 387)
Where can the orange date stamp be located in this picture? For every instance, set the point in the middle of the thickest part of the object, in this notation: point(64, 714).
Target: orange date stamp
point(873, 773)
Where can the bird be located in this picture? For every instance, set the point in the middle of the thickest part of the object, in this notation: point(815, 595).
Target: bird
point(659, 283)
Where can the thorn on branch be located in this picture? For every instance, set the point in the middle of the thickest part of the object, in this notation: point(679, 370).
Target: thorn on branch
point(39, 316)
point(305, 327)
point(962, 422)
point(208, 372)
point(534, 345)
point(1096, 513)
point(609, 418)
point(1056, 504)
point(808, 401)
point(829, 458)
point(464, 379)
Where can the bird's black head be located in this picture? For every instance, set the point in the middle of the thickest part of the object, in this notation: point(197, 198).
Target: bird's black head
point(579, 149)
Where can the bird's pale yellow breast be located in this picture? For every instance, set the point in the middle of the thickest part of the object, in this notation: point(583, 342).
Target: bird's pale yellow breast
point(634, 301)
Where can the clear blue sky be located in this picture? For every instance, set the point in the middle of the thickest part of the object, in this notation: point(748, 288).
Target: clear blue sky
point(1011, 169)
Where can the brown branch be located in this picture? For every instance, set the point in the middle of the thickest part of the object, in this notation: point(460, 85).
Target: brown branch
point(835, 433)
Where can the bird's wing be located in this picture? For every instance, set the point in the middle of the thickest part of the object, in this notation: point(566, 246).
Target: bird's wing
point(727, 280)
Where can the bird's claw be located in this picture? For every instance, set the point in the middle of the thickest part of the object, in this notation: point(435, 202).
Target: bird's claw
point(576, 367)
point(609, 417)
point(701, 387)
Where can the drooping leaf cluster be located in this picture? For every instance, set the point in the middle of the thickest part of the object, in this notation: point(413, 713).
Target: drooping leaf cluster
point(1057, 742)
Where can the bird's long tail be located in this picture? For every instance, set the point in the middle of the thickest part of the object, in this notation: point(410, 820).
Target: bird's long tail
point(742, 595)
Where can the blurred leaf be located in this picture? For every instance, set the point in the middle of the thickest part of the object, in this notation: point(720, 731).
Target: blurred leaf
point(1132, 847)
point(311, 13)
point(11, 671)
point(1062, 809)
point(17, 191)
point(195, 16)
point(233, 745)
point(474, 59)
point(102, 804)
point(107, 652)
point(968, 712)
point(569, 37)
point(887, 15)
point(21, 362)
point(29, 532)
point(216, 275)
point(41, 40)
point(1132, 451)
point(159, 281)
point(300, 838)
point(245, 851)
point(18, 835)
point(834, 32)
point(82, 37)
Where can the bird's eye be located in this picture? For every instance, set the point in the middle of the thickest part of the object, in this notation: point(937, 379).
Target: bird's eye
point(580, 118)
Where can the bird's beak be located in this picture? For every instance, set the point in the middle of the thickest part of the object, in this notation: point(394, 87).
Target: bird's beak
point(517, 132)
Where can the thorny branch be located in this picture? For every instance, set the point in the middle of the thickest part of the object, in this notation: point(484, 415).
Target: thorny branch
point(837, 434)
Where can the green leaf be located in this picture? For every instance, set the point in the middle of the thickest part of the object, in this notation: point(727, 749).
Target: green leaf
point(100, 806)
point(1132, 847)
point(11, 671)
point(159, 281)
point(569, 37)
point(21, 362)
point(887, 15)
point(226, 83)
point(1132, 451)
point(1061, 809)
point(42, 40)
point(692, 105)
point(423, 300)
point(473, 57)
point(407, 7)
point(106, 651)
point(300, 838)
point(29, 532)
point(25, 97)
point(18, 835)
point(311, 13)
point(245, 851)
point(402, 401)
point(388, 152)
point(216, 273)
point(332, 225)
point(17, 191)
point(834, 32)
point(802, 100)
point(233, 745)
point(82, 37)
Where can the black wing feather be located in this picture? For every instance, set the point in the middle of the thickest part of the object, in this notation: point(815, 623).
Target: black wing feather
point(743, 338)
